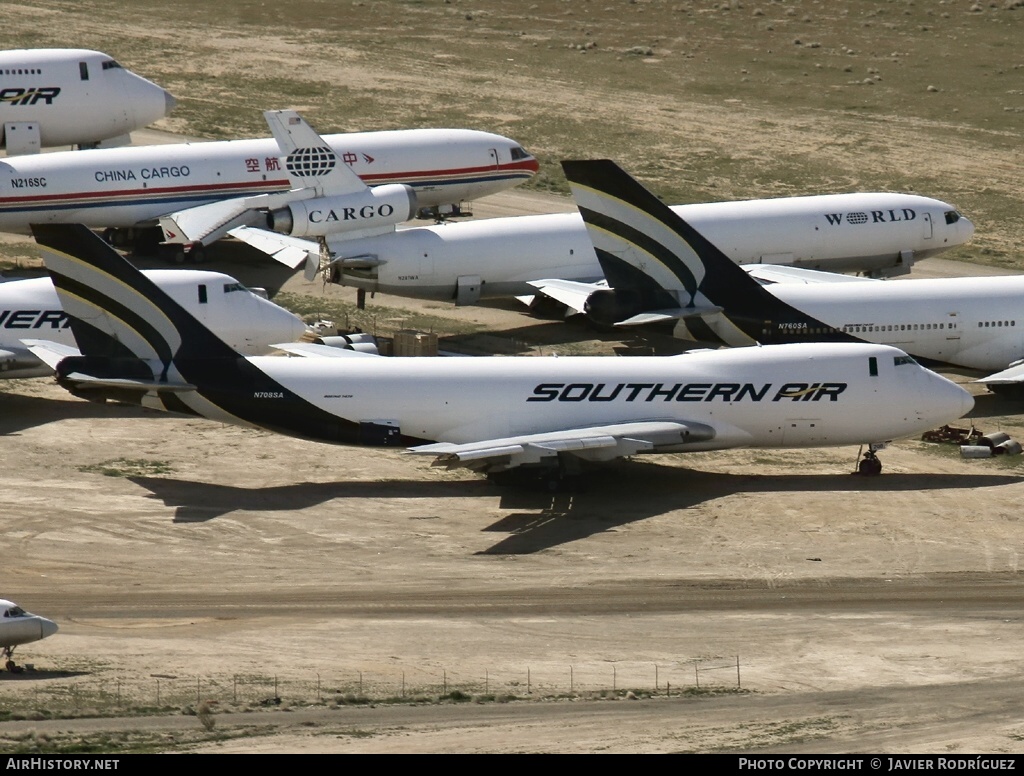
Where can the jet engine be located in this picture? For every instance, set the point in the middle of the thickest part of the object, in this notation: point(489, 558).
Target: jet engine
point(359, 342)
point(379, 206)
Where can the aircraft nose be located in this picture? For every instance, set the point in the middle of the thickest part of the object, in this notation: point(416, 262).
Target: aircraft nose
point(47, 627)
point(966, 228)
point(950, 401)
point(290, 326)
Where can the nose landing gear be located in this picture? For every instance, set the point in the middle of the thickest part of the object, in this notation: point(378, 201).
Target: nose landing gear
point(869, 465)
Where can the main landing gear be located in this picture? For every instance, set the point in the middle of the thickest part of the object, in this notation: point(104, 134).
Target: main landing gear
point(869, 465)
point(10, 665)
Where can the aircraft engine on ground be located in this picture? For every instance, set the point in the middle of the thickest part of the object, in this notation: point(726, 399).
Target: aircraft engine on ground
point(378, 206)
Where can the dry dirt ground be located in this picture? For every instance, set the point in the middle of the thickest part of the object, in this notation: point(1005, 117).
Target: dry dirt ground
point(187, 561)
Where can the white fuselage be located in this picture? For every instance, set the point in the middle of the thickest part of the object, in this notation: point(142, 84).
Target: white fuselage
point(20, 627)
point(774, 396)
point(72, 97)
point(972, 322)
point(840, 232)
point(127, 187)
point(29, 309)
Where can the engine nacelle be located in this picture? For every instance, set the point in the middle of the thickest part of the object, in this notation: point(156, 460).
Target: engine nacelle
point(361, 343)
point(379, 206)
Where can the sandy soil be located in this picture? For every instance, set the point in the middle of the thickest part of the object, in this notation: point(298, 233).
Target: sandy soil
point(865, 615)
point(185, 561)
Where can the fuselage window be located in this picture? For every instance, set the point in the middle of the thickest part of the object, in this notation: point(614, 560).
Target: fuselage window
point(873, 366)
point(202, 293)
point(83, 70)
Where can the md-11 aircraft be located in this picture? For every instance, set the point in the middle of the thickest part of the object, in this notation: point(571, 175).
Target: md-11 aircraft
point(662, 271)
point(72, 97)
point(19, 627)
point(490, 414)
point(873, 233)
point(128, 190)
point(30, 309)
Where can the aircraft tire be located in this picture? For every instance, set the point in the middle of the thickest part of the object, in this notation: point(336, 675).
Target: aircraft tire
point(870, 467)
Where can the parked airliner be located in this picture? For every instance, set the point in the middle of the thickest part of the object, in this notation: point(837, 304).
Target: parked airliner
point(19, 627)
point(30, 309)
point(132, 188)
point(874, 233)
point(72, 97)
point(662, 271)
point(490, 414)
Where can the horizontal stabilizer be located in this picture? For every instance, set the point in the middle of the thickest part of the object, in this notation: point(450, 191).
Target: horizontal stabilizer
point(208, 223)
point(674, 314)
point(86, 381)
point(572, 294)
point(598, 443)
point(290, 251)
point(1011, 376)
point(50, 353)
point(776, 273)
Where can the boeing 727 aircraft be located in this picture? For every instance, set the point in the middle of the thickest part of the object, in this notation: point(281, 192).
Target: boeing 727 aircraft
point(130, 189)
point(72, 97)
point(19, 627)
point(663, 272)
point(488, 414)
point(29, 309)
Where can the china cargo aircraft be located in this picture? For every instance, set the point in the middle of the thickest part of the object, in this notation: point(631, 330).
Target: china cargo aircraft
point(30, 309)
point(491, 414)
point(874, 233)
point(19, 627)
point(662, 271)
point(126, 190)
point(72, 97)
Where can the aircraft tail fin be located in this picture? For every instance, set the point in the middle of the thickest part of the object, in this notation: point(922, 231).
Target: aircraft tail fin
point(309, 161)
point(649, 252)
point(117, 314)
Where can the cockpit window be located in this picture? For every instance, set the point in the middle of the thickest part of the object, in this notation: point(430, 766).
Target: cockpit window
point(229, 287)
point(900, 360)
point(15, 611)
point(518, 153)
point(952, 216)
point(110, 64)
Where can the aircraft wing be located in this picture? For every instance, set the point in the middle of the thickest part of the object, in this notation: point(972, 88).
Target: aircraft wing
point(778, 273)
point(1011, 376)
point(594, 443)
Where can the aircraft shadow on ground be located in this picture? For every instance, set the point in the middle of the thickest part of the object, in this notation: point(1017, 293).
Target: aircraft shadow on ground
point(19, 412)
point(605, 500)
point(638, 490)
point(990, 405)
point(198, 502)
point(38, 674)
